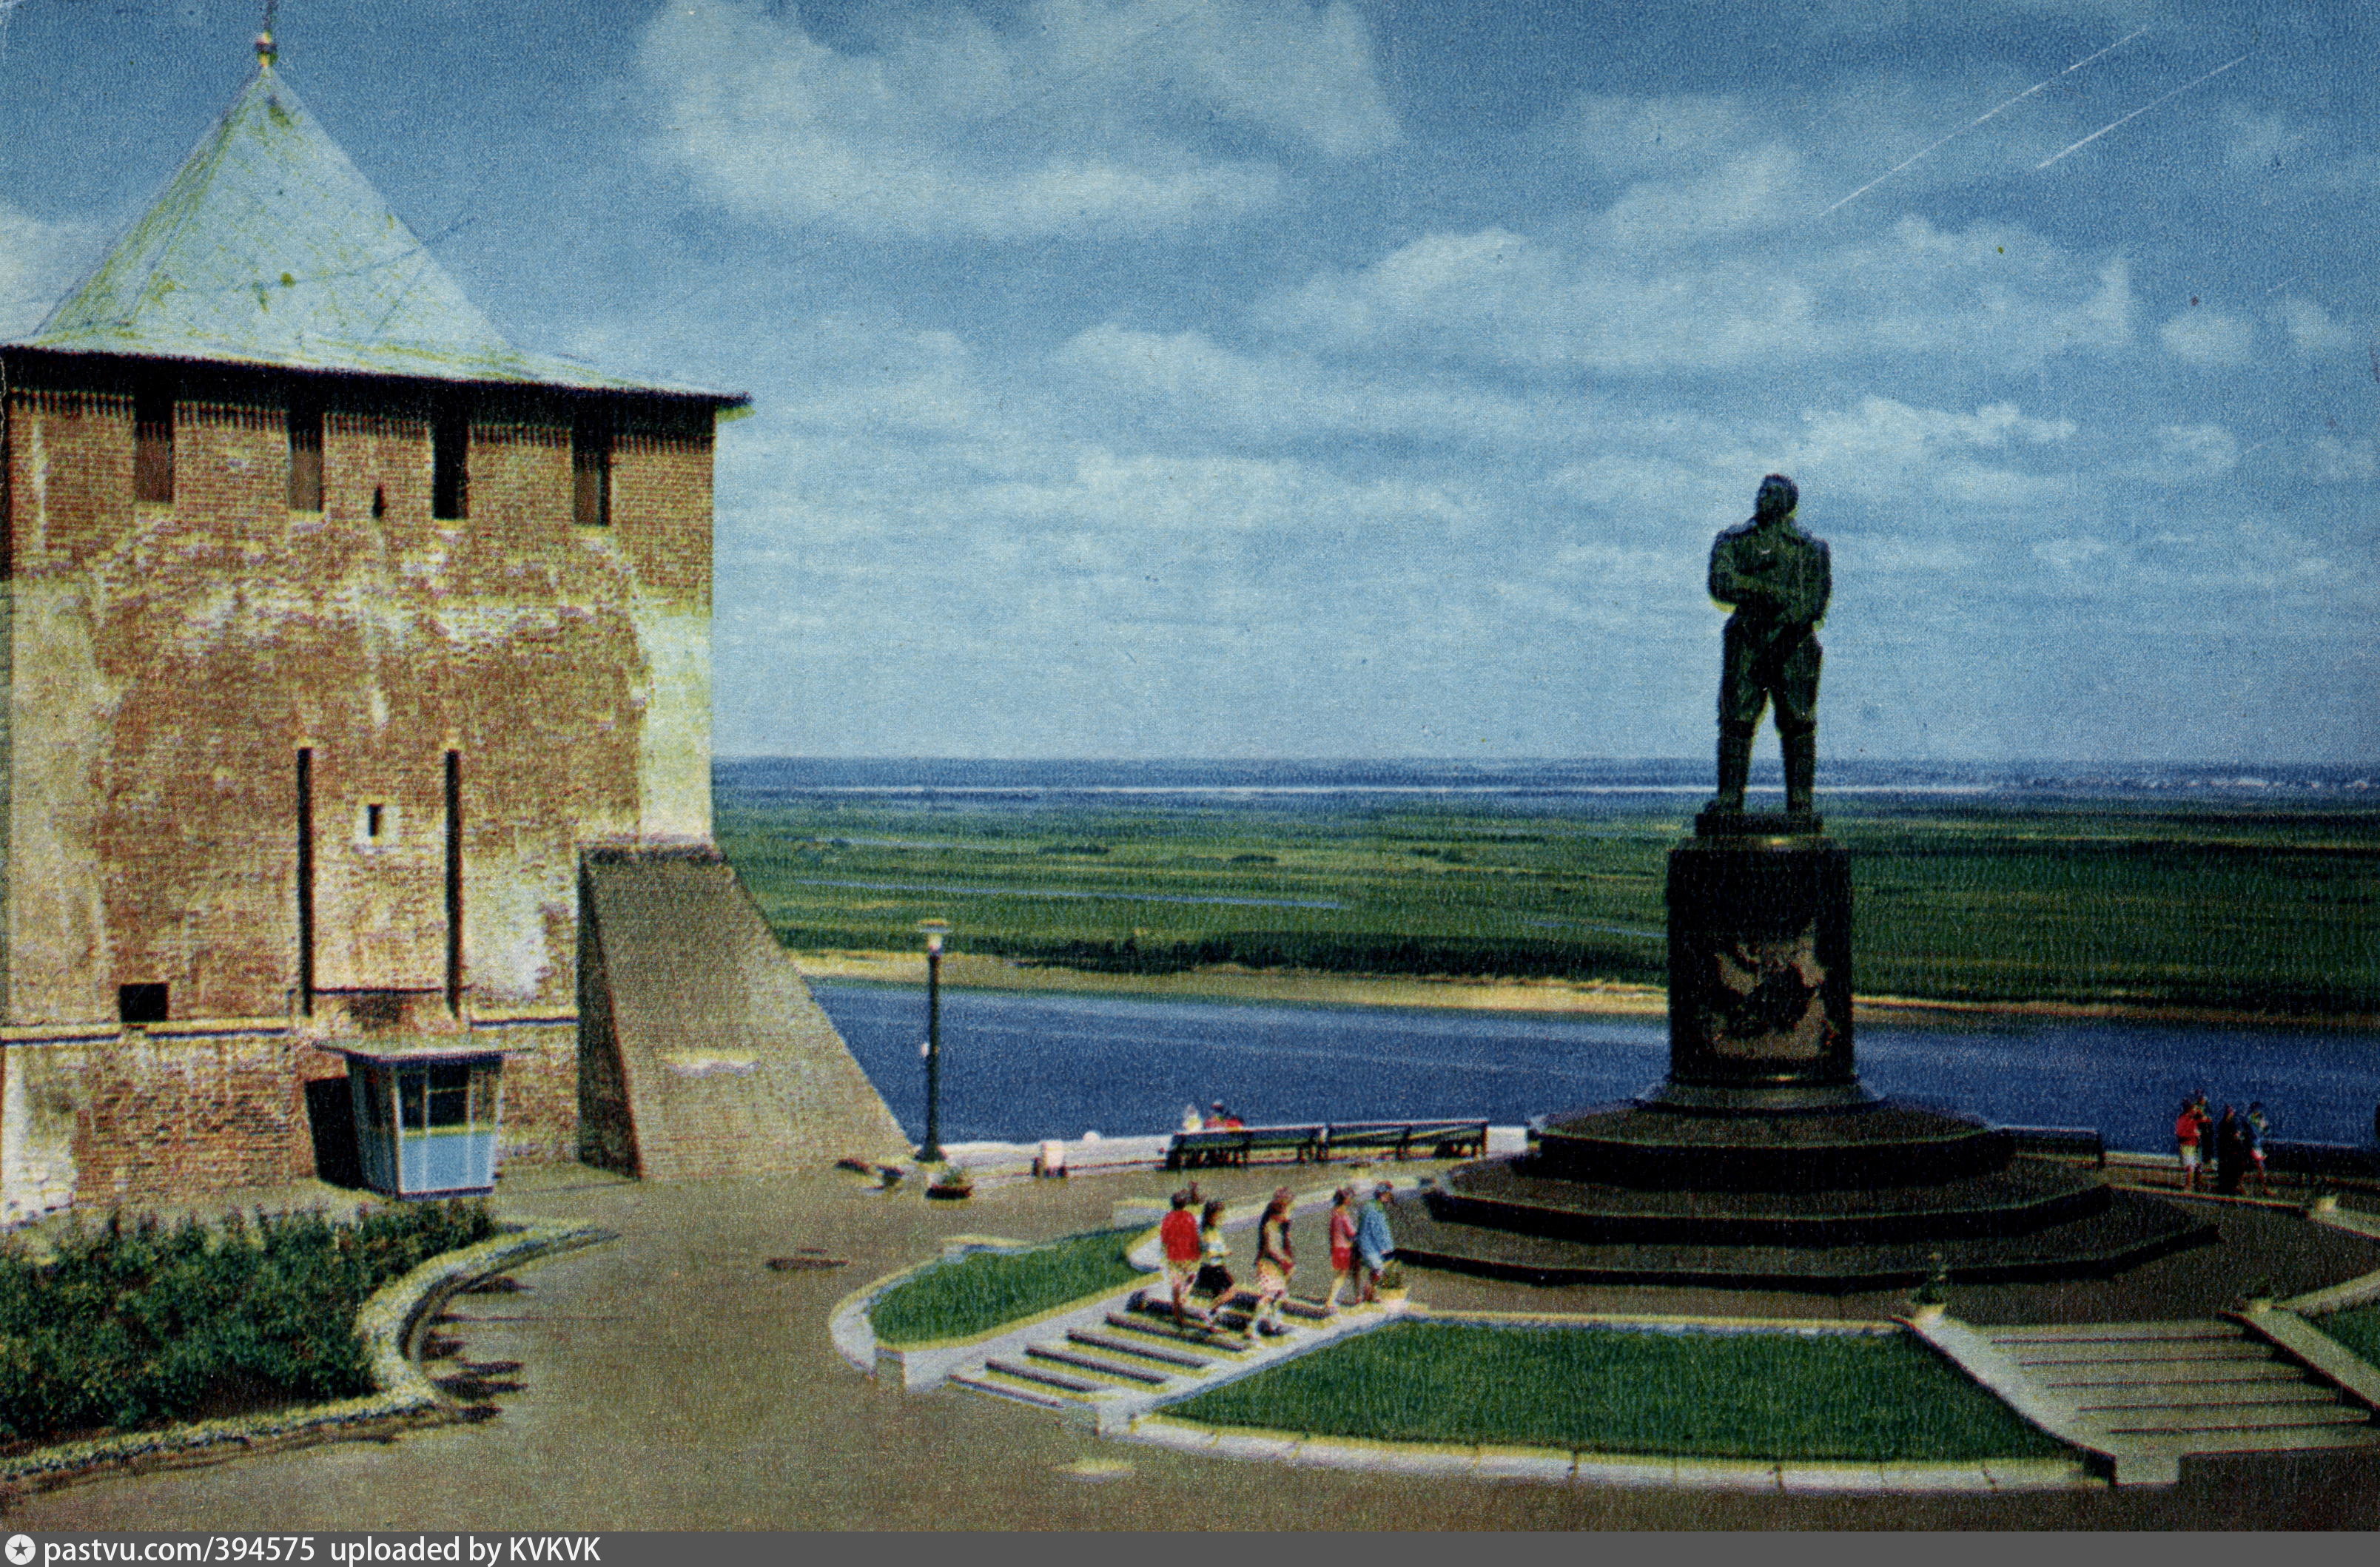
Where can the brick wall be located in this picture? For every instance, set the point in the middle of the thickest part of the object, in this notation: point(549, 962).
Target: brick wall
point(169, 660)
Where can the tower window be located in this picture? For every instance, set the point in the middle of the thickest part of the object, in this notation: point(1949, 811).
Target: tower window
point(379, 822)
point(152, 445)
point(590, 471)
point(140, 1004)
point(305, 456)
point(450, 474)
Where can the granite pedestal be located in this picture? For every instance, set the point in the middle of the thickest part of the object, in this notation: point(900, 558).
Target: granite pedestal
point(1761, 1160)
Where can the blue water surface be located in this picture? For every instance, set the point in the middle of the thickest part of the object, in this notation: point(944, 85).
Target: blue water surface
point(1020, 1067)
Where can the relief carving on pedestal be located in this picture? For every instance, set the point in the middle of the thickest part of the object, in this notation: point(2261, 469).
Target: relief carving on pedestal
point(1766, 1004)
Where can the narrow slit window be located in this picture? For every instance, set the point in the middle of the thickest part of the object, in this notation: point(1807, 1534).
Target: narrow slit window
point(142, 1003)
point(305, 456)
point(450, 473)
point(590, 471)
point(375, 821)
point(152, 445)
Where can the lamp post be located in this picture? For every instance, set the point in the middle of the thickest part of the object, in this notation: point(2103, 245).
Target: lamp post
point(935, 930)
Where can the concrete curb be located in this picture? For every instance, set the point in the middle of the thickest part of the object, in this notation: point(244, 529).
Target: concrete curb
point(385, 1323)
point(1553, 1466)
point(1653, 1323)
point(2310, 1346)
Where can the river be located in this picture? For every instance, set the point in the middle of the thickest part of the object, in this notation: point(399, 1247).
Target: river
point(1019, 1067)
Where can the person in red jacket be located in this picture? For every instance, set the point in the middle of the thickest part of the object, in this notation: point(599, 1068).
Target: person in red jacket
point(1178, 1232)
point(2188, 1141)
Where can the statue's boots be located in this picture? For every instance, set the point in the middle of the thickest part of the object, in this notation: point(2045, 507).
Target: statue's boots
point(1800, 771)
point(1735, 768)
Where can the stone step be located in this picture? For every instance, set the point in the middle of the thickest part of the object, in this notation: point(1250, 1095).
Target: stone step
point(1162, 1355)
point(2222, 1396)
point(1161, 1322)
point(1060, 1380)
point(2287, 1439)
point(2117, 1353)
point(2083, 1333)
point(1057, 1357)
point(1042, 1398)
point(2232, 1417)
point(2179, 1374)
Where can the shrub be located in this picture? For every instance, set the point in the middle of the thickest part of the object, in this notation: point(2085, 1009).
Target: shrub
point(137, 1323)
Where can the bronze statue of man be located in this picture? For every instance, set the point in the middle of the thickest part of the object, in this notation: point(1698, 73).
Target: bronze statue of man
point(1778, 579)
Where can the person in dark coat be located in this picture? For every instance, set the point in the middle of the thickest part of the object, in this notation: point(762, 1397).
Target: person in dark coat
point(2230, 1153)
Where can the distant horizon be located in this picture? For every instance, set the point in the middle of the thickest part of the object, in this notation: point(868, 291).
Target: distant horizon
point(1418, 759)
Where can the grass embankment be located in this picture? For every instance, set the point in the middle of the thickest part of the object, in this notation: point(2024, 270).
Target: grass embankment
point(983, 1290)
point(138, 1324)
point(2359, 1330)
point(2272, 912)
point(1858, 1398)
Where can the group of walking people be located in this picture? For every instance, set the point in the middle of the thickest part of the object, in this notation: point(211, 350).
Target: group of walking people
point(1197, 1257)
point(2233, 1142)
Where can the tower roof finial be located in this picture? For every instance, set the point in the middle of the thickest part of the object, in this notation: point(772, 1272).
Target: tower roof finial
point(265, 51)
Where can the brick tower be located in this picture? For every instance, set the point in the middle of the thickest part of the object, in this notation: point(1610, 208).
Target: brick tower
point(340, 642)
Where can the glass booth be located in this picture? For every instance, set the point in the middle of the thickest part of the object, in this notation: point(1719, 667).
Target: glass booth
point(426, 1119)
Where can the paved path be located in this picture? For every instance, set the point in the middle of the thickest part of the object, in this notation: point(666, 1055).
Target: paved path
point(673, 1380)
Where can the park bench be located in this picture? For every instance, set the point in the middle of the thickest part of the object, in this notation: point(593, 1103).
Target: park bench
point(1409, 1140)
point(2081, 1144)
point(1404, 1139)
point(1237, 1145)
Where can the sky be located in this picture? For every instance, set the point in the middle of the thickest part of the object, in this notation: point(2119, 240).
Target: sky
point(1263, 379)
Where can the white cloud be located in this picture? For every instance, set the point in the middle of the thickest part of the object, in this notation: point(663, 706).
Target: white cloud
point(2333, 461)
point(2311, 329)
point(2202, 451)
point(2255, 143)
point(1083, 117)
point(2066, 554)
point(2204, 336)
point(1889, 453)
point(1762, 188)
point(1206, 385)
point(1991, 295)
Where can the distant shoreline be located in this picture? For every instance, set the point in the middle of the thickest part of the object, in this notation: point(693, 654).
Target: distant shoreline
point(1591, 999)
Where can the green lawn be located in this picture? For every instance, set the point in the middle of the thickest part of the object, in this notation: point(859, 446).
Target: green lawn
point(984, 1289)
point(1879, 1398)
point(2359, 1330)
point(2269, 911)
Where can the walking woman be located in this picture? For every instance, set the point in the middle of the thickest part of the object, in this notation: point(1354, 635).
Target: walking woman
point(1214, 1278)
point(1342, 1247)
point(1275, 1262)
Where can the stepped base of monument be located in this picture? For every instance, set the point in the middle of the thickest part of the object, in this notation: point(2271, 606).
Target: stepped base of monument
point(1740, 1139)
point(1611, 1236)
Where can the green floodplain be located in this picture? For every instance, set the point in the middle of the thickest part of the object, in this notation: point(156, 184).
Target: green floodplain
point(2265, 911)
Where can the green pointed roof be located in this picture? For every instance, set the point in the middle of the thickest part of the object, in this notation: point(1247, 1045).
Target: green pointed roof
point(268, 247)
